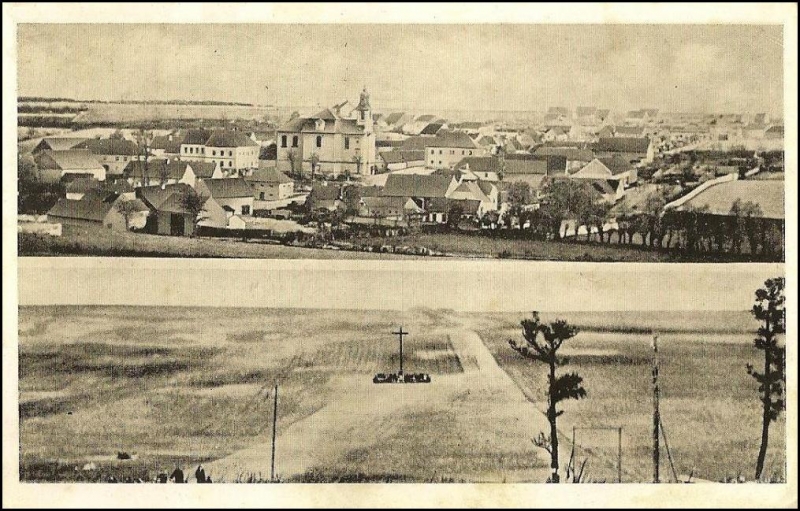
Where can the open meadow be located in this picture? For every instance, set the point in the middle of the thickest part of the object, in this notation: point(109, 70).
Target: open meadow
point(177, 386)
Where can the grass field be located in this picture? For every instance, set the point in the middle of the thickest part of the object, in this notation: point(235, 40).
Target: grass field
point(95, 241)
point(183, 385)
point(709, 404)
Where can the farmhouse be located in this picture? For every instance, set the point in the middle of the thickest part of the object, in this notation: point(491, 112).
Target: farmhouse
point(610, 185)
point(77, 188)
point(234, 151)
point(634, 150)
point(575, 157)
point(269, 185)
point(448, 148)
point(170, 214)
point(53, 165)
point(485, 168)
point(388, 208)
point(100, 208)
point(157, 171)
point(233, 194)
point(113, 154)
point(56, 144)
point(402, 159)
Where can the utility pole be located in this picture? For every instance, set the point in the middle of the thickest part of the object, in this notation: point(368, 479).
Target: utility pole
point(619, 456)
point(400, 333)
point(274, 429)
point(656, 414)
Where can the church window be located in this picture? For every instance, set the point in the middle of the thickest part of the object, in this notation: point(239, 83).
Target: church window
point(319, 140)
point(283, 140)
point(347, 142)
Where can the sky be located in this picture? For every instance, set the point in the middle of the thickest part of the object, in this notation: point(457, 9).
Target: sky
point(506, 286)
point(476, 67)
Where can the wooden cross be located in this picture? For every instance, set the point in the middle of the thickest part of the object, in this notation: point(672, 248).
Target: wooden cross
point(400, 333)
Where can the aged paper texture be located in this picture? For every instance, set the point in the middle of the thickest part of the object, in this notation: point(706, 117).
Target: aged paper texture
point(302, 245)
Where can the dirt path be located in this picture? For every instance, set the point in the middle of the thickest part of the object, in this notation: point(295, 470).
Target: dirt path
point(365, 413)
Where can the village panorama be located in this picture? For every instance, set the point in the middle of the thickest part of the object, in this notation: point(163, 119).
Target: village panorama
point(215, 179)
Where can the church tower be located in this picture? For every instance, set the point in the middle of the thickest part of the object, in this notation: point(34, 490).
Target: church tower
point(364, 112)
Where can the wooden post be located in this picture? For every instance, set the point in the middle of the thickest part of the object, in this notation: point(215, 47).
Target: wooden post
point(619, 456)
point(274, 430)
point(656, 415)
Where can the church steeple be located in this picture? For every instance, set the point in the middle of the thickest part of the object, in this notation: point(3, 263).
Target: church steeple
point(364, 111)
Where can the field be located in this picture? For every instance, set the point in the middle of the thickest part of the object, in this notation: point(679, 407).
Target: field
point(182, 385)
point(709, 405)
point(95, 241)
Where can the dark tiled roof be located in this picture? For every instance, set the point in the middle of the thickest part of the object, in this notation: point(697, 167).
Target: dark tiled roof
point(230, 138)
point(480, 163)
point(330, 192)
point(616, 164)
point(228, 188)
point(203, 169)
point(82, 185)
point(425, 118)
point(57, 143)
point(394, 117)
point(402, 156)
point(109, 146)
point(71, 159)
point(527, 166)
point(415, 185)
point(431, 129)
point(168, 198)
point(623, 145)
point(570, 153)
point(450, 139)
point(629, 130)
point(270, 176)
point(196, 137)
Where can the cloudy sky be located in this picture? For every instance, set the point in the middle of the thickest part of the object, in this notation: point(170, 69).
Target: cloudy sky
point(717, 68)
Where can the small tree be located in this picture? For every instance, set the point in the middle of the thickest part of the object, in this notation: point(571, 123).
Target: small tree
point(454, 214)
point(127, 208)
point(314, 162)
point(770, 311)
point(351, 196)
point(194, 203)
point(358, 160)
point(542, 342)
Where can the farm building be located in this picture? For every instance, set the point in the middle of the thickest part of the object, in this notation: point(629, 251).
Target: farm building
point(269, 184)
point(113, 154)
point(56, 144)
point(169, 212)
point(53, 165)
point(96, 207)
point(233, 194)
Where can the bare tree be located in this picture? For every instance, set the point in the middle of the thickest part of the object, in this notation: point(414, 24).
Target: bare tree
point(770, 310)
point(542, 342)
point(144, 139)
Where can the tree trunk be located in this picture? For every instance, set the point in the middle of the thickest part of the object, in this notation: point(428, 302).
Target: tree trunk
point(551, 417)
point(766, 402)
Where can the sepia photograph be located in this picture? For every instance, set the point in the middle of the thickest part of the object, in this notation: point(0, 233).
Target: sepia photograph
point(614, 143)
point(381, 255)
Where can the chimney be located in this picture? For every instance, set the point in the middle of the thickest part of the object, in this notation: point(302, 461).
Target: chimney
point(164, 186)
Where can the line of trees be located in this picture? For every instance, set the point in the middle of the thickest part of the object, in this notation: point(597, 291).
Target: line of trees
point(693, 230)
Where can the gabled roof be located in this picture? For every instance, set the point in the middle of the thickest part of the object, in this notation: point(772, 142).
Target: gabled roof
point(486, 140)
point(168, 146)
point(325, 114)
point(775, 130)
point(93, 206)
point(637, 114)
point(82, 185)
point(623, 145)
point(156, 169)
point(401, 156)
point(228, 188)
point(451, 139)
point(71, 159)
point(593, 170)
point(416, 185)
point(629, 130)
point(558, 110)
point(479, 163)
point(109, 146)
point(202, 169)
point(468, 125)
point(425, 118)
point(394, 117)
point(230, 138)
point(269, 176)
point(527, 166)
point(570, 153)
point(196, 137)
point(583, 111)
point(167, 198)
point(616, 164)
point(57, 144)
point(431, 128)
point(603, 113)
